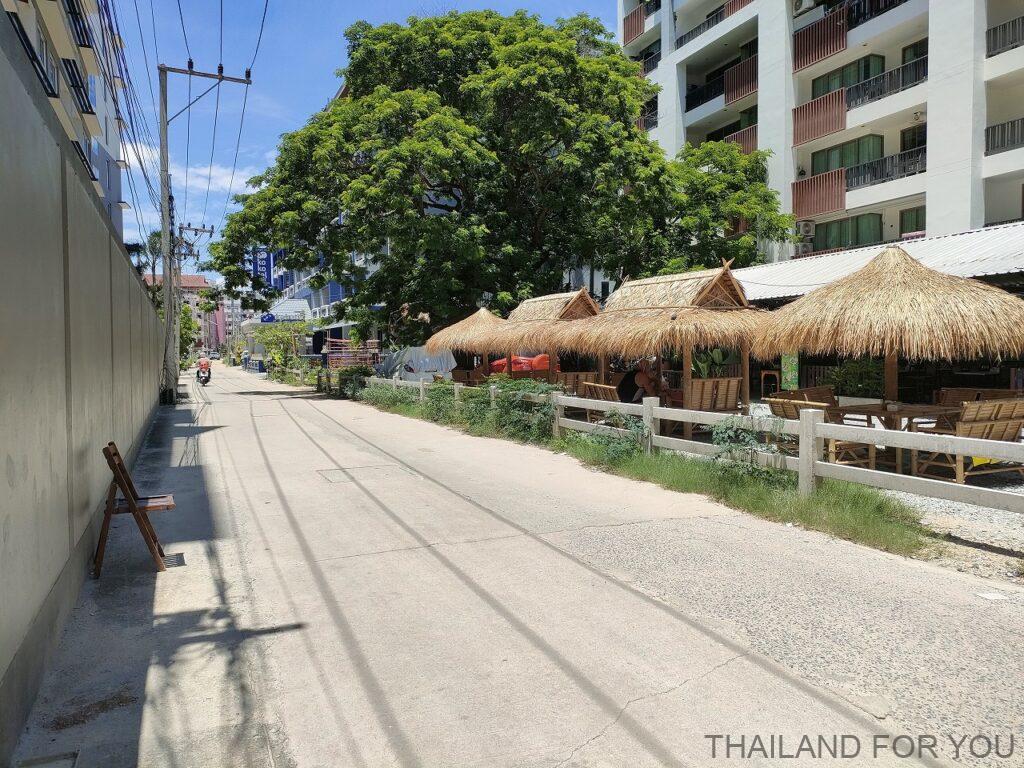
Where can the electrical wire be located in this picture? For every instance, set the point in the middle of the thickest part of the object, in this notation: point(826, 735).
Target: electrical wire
point(188, 145)
point(259, 37)
point(145, 57)
point(181, 18)
point(234, 162)
point(213, 147)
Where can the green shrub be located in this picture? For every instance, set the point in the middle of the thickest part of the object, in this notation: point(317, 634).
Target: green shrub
point(399, 399)
point(858, 377)
point(352, 380)
point(520, 419)
point(439, 404)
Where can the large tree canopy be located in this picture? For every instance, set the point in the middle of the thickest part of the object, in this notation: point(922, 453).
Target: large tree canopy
point(471, 154)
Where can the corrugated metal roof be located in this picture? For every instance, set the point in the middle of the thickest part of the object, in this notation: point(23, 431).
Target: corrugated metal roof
point(980, 252)
point(290, 308)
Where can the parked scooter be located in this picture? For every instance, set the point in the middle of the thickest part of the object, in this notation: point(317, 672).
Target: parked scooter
point(203, 375)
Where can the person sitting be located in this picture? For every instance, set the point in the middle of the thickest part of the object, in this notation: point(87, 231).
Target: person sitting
point(204, 368)
point(638, 384)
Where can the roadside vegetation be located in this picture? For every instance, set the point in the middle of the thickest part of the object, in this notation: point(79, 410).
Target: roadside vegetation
point(845, 510)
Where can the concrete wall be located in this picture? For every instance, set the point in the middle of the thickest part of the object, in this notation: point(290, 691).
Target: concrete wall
point(79, 366)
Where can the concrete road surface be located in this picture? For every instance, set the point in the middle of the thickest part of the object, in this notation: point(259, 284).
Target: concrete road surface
point(352, 588)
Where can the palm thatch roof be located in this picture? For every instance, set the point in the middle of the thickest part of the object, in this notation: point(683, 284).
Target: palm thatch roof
point(556, 306)
point(466, 335)
point(895, 305)
point(644, 317)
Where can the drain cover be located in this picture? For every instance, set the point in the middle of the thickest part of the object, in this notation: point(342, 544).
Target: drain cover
point(174, 560)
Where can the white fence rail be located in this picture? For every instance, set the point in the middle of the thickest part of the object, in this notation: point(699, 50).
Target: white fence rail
point(811, 432)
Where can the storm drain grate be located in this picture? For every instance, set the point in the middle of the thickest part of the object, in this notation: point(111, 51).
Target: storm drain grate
point(175, 560)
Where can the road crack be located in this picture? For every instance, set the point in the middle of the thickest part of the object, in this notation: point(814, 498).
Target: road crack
point(646, 697)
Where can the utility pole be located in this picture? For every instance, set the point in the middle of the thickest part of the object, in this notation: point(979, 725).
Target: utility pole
point(171, 271)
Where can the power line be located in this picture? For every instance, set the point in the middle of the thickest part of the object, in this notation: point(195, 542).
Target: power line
point(152, 21)
point(259, 38)
point(234, 162)
point(188, 141)
point(145, 56)
point(213, 147)
point(181, 17)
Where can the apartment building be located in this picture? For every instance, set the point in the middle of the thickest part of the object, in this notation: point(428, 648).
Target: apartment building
point(72, 51)
point(873, 140)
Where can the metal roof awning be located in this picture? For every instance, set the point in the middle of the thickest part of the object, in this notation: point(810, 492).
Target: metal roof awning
point(985, 252)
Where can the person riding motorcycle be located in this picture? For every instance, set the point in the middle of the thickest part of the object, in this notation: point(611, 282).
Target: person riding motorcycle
point(203, 373)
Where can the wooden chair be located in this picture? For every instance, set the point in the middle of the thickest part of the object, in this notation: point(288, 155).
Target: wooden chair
point(606, 392)
point(1000, 420)
point(572, 381)
point(131, 503)
point(727, 396)
point(959, 395)
point(822, 395)
point(836, 451)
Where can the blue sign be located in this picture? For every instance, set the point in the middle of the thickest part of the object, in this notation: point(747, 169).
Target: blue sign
point(263, 266)
point(268, 317)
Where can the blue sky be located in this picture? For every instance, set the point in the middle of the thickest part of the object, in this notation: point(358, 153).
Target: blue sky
point(293, 76)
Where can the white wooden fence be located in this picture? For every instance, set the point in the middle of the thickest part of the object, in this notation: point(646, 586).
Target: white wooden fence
point(811, 432)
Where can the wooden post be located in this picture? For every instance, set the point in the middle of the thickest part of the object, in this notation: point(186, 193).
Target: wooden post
point(423, 390)
point(394, 382)
point(494, 395)
point(650, 423)
point(552, 364)
point(508, 364)
point(458, 392)
point(602, 369)
point(687, 377)
point(892, 369)
point(745, 373)
point(810, 449)
point(556, 430)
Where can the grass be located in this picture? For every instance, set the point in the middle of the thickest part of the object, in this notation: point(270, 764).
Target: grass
point(848, 511)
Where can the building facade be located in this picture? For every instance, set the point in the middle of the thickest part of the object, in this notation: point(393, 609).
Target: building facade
point(73, 51)
point(872, 140)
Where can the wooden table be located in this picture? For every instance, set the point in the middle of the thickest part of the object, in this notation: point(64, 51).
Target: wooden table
point(899, 416)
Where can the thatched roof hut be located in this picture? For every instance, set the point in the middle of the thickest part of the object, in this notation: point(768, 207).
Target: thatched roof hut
point(644, 317)
point(896, 307)
point(466, 335)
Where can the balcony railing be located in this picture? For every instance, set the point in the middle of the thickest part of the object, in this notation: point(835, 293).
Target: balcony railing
point(741, 80)
point(633, 24)
point(734, 5)
point(895, 80)
point(819, 40)
point(824, 193)
point(1005, 37)
point(714, 19)
point(908, 163)
point(860, 11)
point(79, 26)
point(825, 115)
point(1004, 137)
point(746, 138)
point(647, 121)
point(650, 64)
point(702, 94)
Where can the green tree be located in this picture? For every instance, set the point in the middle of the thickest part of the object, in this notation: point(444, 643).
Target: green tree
point(280, 342)
point(722, 209)
point(189, 332)
point(472, 154)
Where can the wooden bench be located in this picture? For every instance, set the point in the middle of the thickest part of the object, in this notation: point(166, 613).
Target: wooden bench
point(131, 503)
point(592, 391)
point(959, 395)
point(572, 381)
point(1000, 420)
point(837, 451)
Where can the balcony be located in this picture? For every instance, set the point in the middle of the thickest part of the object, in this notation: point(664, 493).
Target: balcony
point(819, 40)
point(746, 138)
point(895, 80)
point(634, 23)
point(908, 163)
point(79, 26)
point(713, 20)
point(650, 64)
point(827, 36)
point(1005, 37)
point(1004, 137)
point(821, 194)
point(820, 117)
point(741, 80)
point(647, 121)
point(702, 94)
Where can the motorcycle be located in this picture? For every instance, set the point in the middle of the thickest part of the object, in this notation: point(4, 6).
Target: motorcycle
point(203, 375)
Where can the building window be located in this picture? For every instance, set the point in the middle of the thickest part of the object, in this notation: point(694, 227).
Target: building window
point(862, 150)
point(47, 61)
point(865, 229)
point(915, 51)
point(853, 73)
point(912, 220)
point(914, 137)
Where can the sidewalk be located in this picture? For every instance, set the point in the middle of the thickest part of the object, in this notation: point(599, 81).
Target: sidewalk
point(356, 588)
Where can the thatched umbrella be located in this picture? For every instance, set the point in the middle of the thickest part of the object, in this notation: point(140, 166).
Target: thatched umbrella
point(895, 307)
point(700, 309)
point(470, 335)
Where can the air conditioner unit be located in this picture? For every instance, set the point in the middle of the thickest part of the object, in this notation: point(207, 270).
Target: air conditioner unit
point(802, 249)
point(803, 6)
point(805, 228)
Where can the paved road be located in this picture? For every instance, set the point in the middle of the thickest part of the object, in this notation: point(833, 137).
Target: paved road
point(354, 588)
